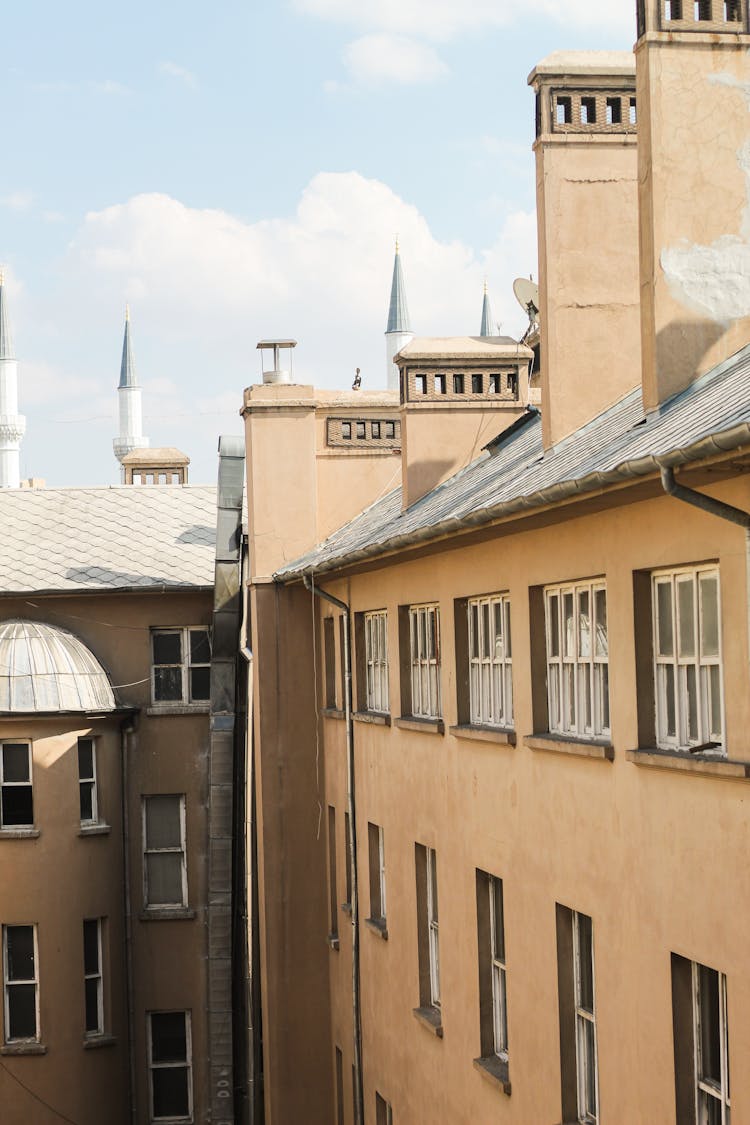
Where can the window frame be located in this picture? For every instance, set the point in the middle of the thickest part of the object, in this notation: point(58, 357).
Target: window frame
point(92, 781)
point(499, 970)
point(705, 1088)
point(8, 985)
point(188, 1063)
point(27, 742)
point(585, 1017)
point(98, 976)
point(376, 663)
point(424, 661)
point(186, 666)
point(433, 927)
point(182, 850)
point(481, 658)
point(578, 704)
point(376, 856)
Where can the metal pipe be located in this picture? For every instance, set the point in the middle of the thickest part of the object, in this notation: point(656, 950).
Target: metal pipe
point(316, 591)
point(127, 733)
point(247, 654)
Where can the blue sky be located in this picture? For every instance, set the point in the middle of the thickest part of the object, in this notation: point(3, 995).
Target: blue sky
point(241, 171)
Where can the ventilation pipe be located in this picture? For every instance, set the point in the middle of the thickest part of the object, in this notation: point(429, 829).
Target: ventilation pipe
point(276, 374)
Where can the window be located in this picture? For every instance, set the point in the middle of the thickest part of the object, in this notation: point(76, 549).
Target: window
point(633, 112)
point(588, 111)
point(701, 1043)
point(576, 997)
point(332, 897)
point(440, 384)
point(92, 976)
point(702, 10)
point(687, 659)
point(361, 431)
point(564, 111)
point(339, 1086)
point(87, 785)
point(420, 384)
point(20, 970)
point(513, 384)
point(390, 429)
point(494, 387)
point(16, 797)
point(732, 11)
point(346, 430)
point(477, 384)
point(428, 930)
point(376, 660)
point(375, 429)
point(577, 659)
point(165, 872)
point(181, 665)
point(493, 1006)
point(383, 1111)
point(672, 10)
point(490, 662)
point(170, 1066)
point(458, 384)
point(424, 649)
point(377, 873)
point(614, 111)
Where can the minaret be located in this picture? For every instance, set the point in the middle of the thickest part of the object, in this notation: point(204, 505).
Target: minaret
point(12, 424)
point(489, 328)
point(398, 333)
point(129, 400)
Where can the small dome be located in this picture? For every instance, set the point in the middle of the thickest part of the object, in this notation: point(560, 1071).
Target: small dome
point(45, 668)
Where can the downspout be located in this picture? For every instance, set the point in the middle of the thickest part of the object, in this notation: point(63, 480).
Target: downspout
point(359, 1111)
point(249, 832)
point(127, 738)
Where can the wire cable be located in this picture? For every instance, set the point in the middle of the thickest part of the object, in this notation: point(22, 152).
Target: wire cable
point(37, 1097)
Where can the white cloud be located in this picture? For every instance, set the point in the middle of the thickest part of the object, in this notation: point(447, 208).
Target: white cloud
point(173, 70)
point(381, 57)
point(110, 87)
point(17, 200)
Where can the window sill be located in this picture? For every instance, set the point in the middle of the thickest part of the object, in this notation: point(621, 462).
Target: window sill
point(94, 830)
point(502, 735)
point(19, 833)
point(167, 914)
point(495, 1070)
point(159, 709)
point(332, 713)
point(561, 744)
point(333, 942)
point(23, 1049)
point(377, 718)
point(710, 765)
point(424, 726)
point(93, 1042)
point(431, 1019)
point(378, 926)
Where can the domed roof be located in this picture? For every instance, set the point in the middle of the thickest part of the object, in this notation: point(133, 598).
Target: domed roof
point(45, 668)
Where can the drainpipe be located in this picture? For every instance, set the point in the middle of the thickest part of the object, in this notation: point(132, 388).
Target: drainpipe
point(359, 1111)
point(249, 832)
point(127, 735)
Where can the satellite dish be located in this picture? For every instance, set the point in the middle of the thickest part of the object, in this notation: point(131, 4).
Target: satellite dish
point(527, 295)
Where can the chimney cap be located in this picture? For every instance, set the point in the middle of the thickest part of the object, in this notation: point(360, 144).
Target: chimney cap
point(585, 64)
point(276, 344)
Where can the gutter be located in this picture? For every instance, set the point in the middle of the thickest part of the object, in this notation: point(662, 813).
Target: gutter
point(316, 591)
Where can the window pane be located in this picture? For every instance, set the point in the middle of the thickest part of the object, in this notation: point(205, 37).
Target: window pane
point(665, 641)
point(568, 626)
point(168, 1037)
point(686, 616)
point(589, 1036)
point(554, 625)
point(17, 806)
point(200, 649)
point(163, 822)
point(433, 884)
point(508, 643)
point(91, 987)
point(714, 679)
point(85, 757)
point(600, 606)
point(710, 615)
point(200, 683)
point(20, 952)
point(21, 1011)
point(584, 626)
point(691, 687)
point(167, 684)
point(164, 879)
point(585, 954)
point(474, 629)
point(668, 678)
point(167, 648)
point(708, 990)
point(15, 761)
point(86, 789)
point(497, 623)
point(496, 889)
point(486, 652)
point(171, 1091)
point(91, 946)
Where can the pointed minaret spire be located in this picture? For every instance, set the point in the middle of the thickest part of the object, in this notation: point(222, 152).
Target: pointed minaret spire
point(489, 328)
point(12, 424)
point(129, 401)
point(398, 333)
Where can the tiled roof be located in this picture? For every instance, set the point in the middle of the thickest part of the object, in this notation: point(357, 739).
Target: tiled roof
point(131, 536)
point(711, 415)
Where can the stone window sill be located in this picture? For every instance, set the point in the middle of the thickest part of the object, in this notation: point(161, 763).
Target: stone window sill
point(92, 1042)
point(333, 942)
point(19, 833)
point(378, 926)
point(710, 765)
point(431, 1019)
point(23, 1049)
point(495, 1070)
point(332, 713)
point(167, 914)
point(160, 709)
point(94, 830)
point(377, 718)
point(502, 735)
point(424, 726)
point(561, 744)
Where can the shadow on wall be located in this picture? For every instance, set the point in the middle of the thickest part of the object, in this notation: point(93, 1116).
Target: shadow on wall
point(682, 345)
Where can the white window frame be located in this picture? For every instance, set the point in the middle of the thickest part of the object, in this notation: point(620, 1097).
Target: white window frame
point(424, 649)
point(706, 1089)
point(185, 665)
point(93, 781)
point(585, 1018)
point(433, 926)
point(698, 675)
point(578, 660)
point(8, 984)
point(381, 870)
point(182, 850)
point(499, 974)
point(376, 661)
point(98, 976)
point(15, 784)
point(490, 664)
point(187, 1062)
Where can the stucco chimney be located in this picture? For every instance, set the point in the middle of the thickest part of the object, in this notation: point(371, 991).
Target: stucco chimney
point(693, 83)
point(587, 215)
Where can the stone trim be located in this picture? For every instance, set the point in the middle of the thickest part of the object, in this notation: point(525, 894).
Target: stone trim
point(495, 1070)
point(423, 726)
point(478, 733)
point(377, 718)
point(557, 743)
point(431, 1019)
point(709, 765)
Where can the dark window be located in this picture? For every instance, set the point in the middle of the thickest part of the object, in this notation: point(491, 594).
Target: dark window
point(87, 781)
point(701, 1043)
point(375, 429)
point(513, 384)
point(614, 111)
point(440, 384)
point(346, 430)
point(564, 111)
point(200, 665)
point(390, 429)
point(672, 10)
point(633, 112)
point(170, 1065)
point(17, 803)
point(20, 983)
point(477, 384)
point(165, 881)
point(458, 384)
point(588, 111)
point(702, 10)
point(732, 11)
point(181, 665)
point(494, 387)
point(420, 384)
point(376, 848)
point(577, 1011)
point(361, 431)
point(92, 971)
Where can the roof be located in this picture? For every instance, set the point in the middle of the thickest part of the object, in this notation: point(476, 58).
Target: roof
point(516, 475)
point(122, 538)
point(6, 339)
point(44, 668)
point(398, 310)
point(161, 455)
point(464, 347)
point(586, 64)
point(128, 377)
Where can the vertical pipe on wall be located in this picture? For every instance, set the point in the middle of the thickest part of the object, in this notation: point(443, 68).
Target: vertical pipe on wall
point(127, 740)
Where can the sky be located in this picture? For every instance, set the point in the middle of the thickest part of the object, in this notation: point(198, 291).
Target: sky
point(241, 171)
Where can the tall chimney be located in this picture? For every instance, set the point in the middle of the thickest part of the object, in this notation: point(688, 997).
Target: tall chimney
point(587, 215)
point(693, 81)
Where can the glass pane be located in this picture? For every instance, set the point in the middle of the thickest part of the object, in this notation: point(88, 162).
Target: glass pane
point(15, 761)
point(508, 643)
point(498, 645)
point(167, 684)
point(91, 946)
point(691, 687)
point(474, 630)
point(171, 1091)
point(486, 652)
point(585, 963)
point(686, 616)
point(668, 674)
point(600, 607)
point(22, 1011)
point(602, 678)
point(200, 649)
point(17, 806)
point(709, 615)
point(665, 640)
point(714, 679)
point(92, 1004)
point(200, 683)
point(164, 879)
point(710, 1110)
point(433, 884)
point(163, 822)
point(85, 757)
point(496, 890)
point(167, 648)
point(584, 626)
point(569, 705)
point(568, 625)
point(589, 1036)
point(86, 789)
point(20, 952)
point(168, 1037)
point(710, 1030)
point(553, 611)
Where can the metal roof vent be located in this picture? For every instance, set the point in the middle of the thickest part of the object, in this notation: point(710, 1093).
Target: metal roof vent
point(276, 374)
